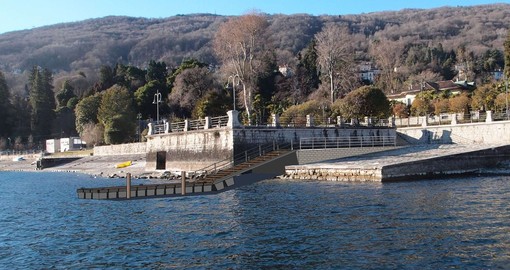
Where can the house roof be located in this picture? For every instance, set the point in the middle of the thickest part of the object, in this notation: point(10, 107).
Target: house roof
point(447, 85)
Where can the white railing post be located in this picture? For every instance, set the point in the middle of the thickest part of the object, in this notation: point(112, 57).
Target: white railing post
point(207, 124)
point(167, 127)
point(340, 121)
point(233, 119)
point(186, 125)
point(454, 119)
point(309, 120)
point(275, 120)
point(151, 129)
point(489, 117)
point(424, 121)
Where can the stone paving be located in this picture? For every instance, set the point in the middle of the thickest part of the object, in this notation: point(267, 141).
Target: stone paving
point(407, 163)
point(402, 155)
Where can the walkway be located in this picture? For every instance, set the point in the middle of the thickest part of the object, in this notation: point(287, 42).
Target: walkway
point(410, 163)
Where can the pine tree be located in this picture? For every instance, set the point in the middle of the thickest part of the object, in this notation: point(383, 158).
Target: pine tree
point(42, 101)
point(6, 108)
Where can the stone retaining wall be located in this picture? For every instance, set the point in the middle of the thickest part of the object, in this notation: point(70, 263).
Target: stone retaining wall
point(247, 137)
point(329, 174)
point(316, 155)
point(191, 150)
point(121, 149)
point(478, 133)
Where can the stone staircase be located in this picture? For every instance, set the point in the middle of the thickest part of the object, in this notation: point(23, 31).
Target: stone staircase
point(230, 172)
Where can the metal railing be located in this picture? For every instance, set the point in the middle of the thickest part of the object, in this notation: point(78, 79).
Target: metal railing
point(347, 142)
point(219, 121)
point(304, 143)
point(446, 119)
point(300, 121)
point(198, 124)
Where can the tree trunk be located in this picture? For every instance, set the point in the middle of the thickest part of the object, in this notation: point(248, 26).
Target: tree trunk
point(247, 105)
point(332, 87)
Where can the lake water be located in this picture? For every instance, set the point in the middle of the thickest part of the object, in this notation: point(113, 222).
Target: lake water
point(437, 224)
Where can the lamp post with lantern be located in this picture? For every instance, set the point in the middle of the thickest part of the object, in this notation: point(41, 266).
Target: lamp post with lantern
point(234, 84)
point(157, 100)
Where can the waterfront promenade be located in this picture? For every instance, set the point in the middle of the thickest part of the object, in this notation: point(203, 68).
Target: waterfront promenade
point(408, 163)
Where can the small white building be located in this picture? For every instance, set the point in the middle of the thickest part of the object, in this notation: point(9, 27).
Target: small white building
point(53, 146)
point(71, 144)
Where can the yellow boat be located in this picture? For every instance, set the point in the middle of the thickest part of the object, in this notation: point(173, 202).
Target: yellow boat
point(123, 164)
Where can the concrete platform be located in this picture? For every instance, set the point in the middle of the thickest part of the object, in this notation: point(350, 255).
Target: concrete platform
point(410, 163)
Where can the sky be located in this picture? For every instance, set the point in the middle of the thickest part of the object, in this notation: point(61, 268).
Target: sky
point(26, 14)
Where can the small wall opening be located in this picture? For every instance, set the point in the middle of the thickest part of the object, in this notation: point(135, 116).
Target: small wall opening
point(161, 160)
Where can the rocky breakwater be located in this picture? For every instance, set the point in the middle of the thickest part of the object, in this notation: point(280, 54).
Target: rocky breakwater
point(409, 163)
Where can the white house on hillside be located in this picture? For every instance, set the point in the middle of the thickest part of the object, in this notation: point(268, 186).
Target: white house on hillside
point(454, 87)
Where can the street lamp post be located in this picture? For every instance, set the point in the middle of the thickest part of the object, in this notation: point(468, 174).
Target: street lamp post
point(233, 78)
point(506, 97)
point(157, 100)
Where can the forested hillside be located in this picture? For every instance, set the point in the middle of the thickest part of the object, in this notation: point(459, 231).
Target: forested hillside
point(99, 78)
point(84, 46)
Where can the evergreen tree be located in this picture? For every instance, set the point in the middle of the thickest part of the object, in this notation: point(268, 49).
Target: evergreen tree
point(156, 72)
point(117, 115)
point(309, 63)
point(6, 108)
point(42, 101)
point(507, 56)
point(65, 94)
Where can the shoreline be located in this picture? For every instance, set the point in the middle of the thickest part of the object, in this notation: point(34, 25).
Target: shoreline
point(97, 166)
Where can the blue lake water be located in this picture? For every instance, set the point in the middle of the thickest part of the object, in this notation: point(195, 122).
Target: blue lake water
point(437, 224)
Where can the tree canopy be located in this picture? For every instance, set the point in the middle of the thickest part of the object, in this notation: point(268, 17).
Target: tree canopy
point(116, 114)
point(42, 101)
point(364, 101)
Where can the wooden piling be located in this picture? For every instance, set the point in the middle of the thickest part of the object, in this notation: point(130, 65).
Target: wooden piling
point(183, 183)
point(128, 186)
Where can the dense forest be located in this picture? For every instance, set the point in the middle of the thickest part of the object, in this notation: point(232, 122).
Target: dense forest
point(85, 63)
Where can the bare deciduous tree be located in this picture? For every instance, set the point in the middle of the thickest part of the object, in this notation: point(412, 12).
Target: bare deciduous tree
point(189, 87)
point(240, 43)
point(387, 57)
point(335, 56)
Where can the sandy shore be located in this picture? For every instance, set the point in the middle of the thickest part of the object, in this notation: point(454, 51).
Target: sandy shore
point(103, 166)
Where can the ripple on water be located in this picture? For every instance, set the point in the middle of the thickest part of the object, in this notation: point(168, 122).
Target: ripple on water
point(457, 223)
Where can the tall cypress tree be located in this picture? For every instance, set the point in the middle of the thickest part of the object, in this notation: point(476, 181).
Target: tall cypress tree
point(42, 101)
point(507, 56)
point(6, 108)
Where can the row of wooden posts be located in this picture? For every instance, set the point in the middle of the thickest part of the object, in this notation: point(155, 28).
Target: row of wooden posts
point(128, 184)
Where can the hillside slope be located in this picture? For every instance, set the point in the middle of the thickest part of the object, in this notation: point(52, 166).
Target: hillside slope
point(86, 45)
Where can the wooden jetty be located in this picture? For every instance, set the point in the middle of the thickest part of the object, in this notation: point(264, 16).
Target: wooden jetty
point(220, 180)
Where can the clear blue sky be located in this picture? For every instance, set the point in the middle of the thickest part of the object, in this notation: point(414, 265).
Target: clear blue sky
point(26, 14)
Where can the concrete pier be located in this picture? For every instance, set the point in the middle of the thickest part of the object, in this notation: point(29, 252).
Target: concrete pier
point(416, 162)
